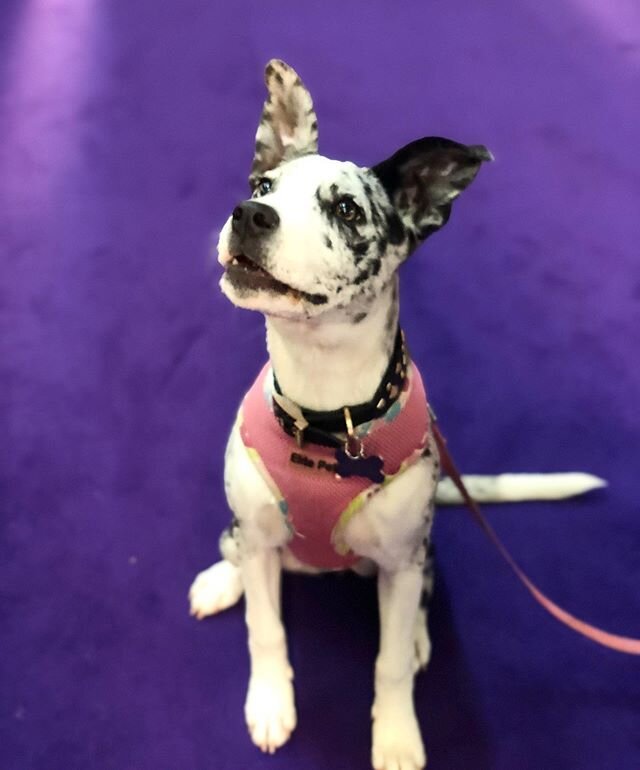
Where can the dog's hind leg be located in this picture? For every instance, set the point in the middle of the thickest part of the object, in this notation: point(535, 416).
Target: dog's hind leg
point(219, 587)
point(215, 589)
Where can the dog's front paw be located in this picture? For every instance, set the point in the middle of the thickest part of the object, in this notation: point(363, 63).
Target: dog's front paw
point(397, 744)
point(215, 589)
point(270, 709)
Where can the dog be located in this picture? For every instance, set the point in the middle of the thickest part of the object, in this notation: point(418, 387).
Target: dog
point(332, 463)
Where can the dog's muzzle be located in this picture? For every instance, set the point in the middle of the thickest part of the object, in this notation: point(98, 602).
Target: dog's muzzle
point(247, 267)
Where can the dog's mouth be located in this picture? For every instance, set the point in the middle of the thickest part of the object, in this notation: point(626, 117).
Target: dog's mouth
point(243, 273)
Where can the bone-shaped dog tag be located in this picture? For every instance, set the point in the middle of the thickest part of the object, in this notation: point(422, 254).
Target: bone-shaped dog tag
point(366, 467)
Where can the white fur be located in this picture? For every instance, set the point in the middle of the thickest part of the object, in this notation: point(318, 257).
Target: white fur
point(324, 361)
point(389, 531)
point(298, 253)
point(329, 333)
point(352, 352)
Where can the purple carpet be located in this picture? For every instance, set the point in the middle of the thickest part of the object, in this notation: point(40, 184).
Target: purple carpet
point(126, 136)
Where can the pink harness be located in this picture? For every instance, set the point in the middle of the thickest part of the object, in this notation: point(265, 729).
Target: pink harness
point(316, 501)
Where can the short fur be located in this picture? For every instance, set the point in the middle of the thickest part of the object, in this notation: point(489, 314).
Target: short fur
point(317, 249)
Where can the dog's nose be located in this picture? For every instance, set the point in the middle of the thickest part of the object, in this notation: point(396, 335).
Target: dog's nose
point(254, 218)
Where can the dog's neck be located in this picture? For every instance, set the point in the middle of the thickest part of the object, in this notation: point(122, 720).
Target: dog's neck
point(325, 365)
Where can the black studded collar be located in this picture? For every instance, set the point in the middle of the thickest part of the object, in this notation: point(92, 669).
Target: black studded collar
point(307, 425)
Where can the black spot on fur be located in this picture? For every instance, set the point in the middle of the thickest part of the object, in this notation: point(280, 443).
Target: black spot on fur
point(231, 530)
point(362, 276)
point(395, 229)
point(391, 327)
point(359, 317)
point(375, 215)
point(413, 240)
point(445, 212)
point(391, 321)
point(327, 242)
point(428, 573)
point(360, 248)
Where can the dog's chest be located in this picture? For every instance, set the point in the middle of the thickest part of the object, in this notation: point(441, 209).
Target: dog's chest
point(316, 502)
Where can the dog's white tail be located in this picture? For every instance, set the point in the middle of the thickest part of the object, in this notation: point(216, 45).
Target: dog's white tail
point(516, 487)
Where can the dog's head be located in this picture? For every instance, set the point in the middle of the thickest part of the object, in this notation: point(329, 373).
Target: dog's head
point(320, 235)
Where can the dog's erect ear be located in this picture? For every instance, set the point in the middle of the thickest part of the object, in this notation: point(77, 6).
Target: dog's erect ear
point(288, 125)
point(424, 178)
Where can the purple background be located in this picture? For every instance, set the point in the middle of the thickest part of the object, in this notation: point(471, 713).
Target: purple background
point(125, 137)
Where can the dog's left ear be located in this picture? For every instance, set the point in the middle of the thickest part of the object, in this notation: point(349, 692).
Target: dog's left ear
point(425, 177)
point(288, 125)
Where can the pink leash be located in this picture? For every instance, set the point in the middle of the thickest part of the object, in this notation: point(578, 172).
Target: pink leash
point(613, 641)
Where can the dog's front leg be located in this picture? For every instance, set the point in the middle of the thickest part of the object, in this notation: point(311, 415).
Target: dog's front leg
point(269, 709)
point(397, 743)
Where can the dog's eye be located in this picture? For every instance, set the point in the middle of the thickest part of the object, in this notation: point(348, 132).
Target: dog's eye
point(263, 187)
point(346, 209)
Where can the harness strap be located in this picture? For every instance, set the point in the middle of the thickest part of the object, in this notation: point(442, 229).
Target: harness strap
point(624, 644)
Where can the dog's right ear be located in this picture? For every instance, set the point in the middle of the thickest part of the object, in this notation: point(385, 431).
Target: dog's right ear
point(288, 125)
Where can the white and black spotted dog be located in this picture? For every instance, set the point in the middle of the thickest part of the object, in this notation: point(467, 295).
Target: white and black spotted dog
point(336, 427)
